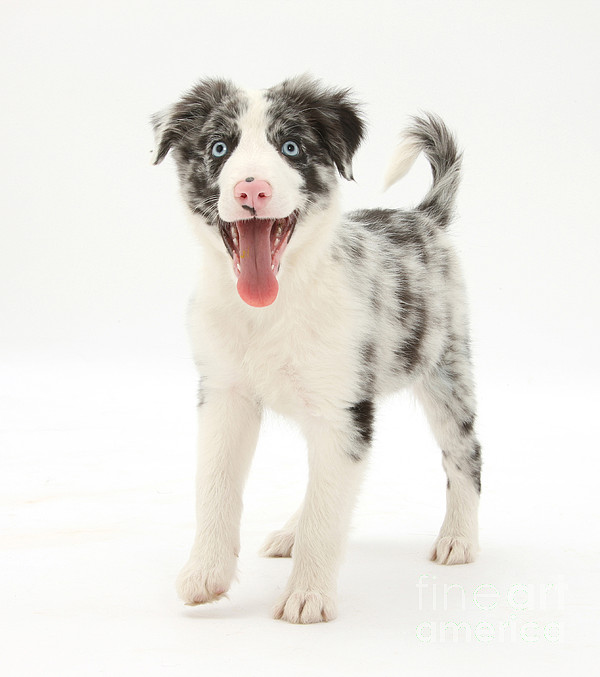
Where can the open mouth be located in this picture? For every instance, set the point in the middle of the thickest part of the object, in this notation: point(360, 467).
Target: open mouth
point(256, 247)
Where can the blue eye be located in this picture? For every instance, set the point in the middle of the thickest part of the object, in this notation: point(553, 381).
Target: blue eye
point(291, 149)
point(219, 149)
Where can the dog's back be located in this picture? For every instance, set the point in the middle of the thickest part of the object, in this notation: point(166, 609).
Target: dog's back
point(403, 266)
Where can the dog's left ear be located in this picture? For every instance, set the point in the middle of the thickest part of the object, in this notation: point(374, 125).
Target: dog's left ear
point(332, 113)
point(341, 128)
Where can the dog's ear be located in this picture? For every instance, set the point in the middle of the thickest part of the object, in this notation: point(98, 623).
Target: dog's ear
point(342, 129)
point(172, 125)
point(163, 134)
point(333, 114)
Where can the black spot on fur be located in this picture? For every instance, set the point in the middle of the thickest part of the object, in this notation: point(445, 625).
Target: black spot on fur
point(376, 219)
point(475, 466)
point(201, 193)
point(408, 303)
point(467, 426)
point(376, 296)
point(409, 351)
point(368, 353)
point(363, 416)
point(362, 419)
point(354, 249)
point(458, 391)
point(402, 229)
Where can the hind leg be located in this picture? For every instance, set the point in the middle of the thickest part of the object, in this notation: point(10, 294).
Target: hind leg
point(280, 543)
point(447, 397)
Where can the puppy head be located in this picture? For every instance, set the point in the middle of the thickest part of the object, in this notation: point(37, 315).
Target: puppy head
point(254, 165)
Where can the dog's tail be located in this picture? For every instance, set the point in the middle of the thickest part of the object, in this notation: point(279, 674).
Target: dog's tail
point(430, 135)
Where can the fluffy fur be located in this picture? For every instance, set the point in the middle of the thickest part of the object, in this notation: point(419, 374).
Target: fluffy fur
point(355, 307)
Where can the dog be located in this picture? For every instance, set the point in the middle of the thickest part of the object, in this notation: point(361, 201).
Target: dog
point(315, 315)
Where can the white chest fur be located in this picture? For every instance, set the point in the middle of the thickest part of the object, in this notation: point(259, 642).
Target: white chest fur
point(299, 356)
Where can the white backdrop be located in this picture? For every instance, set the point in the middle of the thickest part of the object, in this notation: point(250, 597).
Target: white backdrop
point(96, 265)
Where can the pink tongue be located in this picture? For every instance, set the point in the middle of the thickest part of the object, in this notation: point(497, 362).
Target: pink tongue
point(257, 284)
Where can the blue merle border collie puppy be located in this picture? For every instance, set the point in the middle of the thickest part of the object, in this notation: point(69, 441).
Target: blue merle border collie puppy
point(314, 314)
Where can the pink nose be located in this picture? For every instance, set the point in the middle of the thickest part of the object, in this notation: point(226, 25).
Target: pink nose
point(253, 194)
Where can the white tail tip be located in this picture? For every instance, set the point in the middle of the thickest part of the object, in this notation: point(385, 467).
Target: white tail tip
point(403, 159)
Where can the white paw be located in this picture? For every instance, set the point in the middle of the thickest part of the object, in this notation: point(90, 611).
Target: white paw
point(278, 544)
point(305, 606)
point(199, 584)
point(454, 550)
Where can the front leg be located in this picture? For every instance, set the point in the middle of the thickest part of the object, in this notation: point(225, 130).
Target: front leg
point(336, 467)
point(229, 423)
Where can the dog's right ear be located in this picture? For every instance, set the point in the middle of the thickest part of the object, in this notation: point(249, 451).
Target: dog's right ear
point(173, 124)
point(164, 136)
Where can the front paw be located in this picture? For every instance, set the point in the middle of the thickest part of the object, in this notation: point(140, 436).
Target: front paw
point(200, 583)
point(306, 606)
point(454, 550)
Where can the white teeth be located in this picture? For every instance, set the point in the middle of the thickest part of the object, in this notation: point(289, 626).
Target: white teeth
point(272, 266)
point(277, 241)
point(238, 267)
